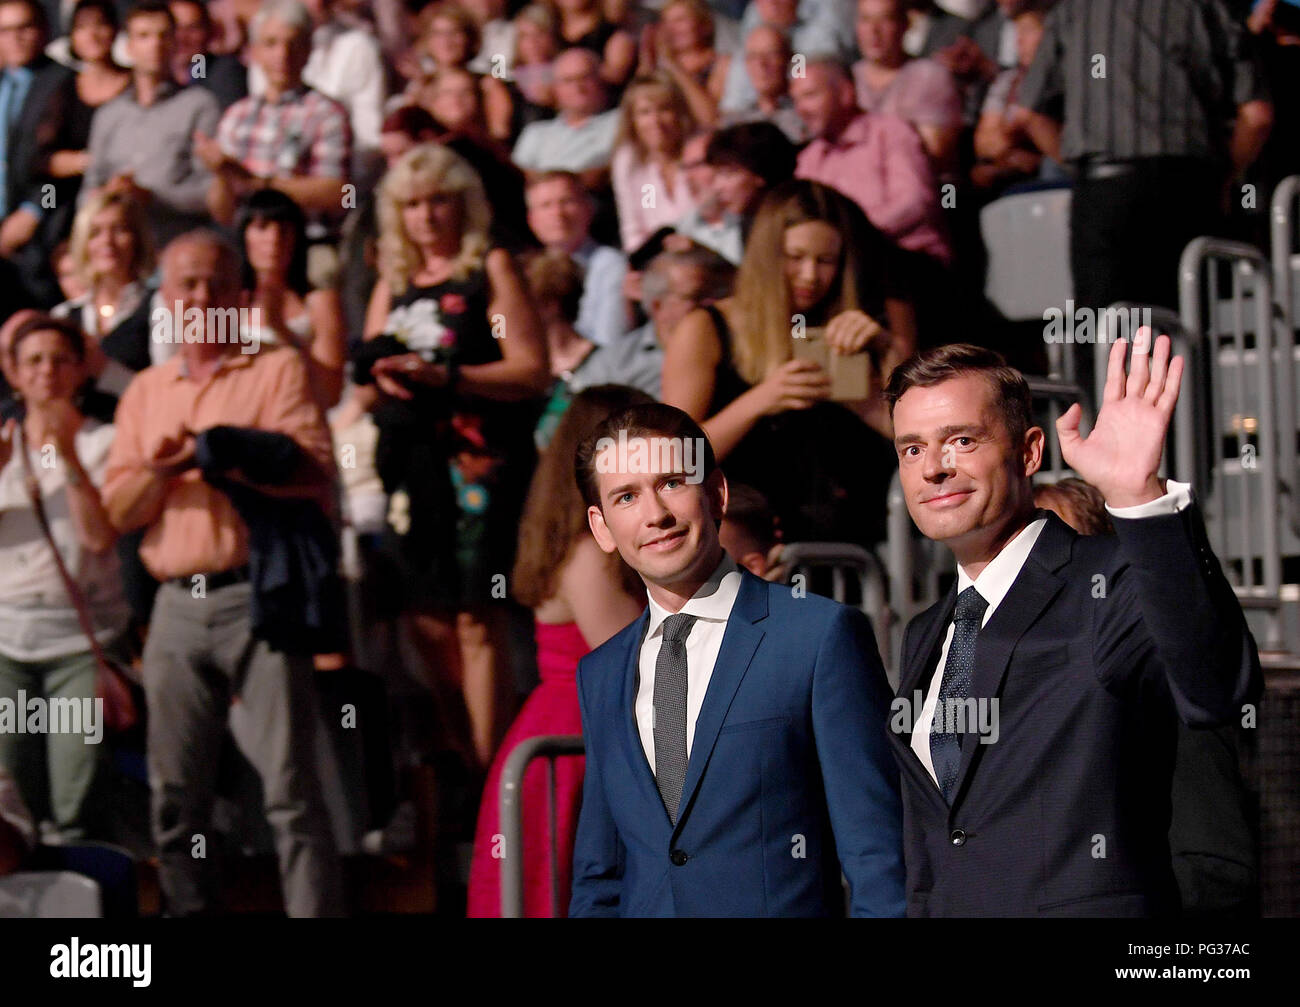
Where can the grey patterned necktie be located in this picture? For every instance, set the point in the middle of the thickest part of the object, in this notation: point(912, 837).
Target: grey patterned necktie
point(945, 752)
point(670, 712)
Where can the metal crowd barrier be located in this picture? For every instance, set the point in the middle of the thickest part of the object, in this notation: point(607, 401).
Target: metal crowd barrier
point(1054, 394)
point(549, 747)
point(1286, 264)
point(1241, 494)
point(844, 559)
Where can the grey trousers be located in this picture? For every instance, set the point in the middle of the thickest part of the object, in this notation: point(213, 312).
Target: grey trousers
point(200, 656)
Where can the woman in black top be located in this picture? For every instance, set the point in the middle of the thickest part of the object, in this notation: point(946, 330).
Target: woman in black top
point(823, 466)
point(456, 352)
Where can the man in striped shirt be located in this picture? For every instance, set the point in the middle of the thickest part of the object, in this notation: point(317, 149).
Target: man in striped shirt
point(1160, 107)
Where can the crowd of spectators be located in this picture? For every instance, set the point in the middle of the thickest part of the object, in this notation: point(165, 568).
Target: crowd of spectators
point(457, 236)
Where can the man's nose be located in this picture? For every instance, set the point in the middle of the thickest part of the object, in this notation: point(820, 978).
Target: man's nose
point(934, 468)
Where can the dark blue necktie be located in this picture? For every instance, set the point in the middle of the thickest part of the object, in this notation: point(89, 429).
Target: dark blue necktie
point(945, 752)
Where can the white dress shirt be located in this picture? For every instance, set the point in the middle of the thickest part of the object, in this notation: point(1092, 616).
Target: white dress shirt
point(995, 580)
point(711, 605)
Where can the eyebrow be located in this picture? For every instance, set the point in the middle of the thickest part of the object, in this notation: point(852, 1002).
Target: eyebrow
point(943, 433)
point(618, 491)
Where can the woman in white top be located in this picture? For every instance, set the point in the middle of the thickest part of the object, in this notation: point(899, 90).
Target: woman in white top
point(650, 188)
point(273, 236)
point(44, 654)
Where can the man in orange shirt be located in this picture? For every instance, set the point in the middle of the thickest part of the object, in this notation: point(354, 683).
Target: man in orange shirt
point(202, 653)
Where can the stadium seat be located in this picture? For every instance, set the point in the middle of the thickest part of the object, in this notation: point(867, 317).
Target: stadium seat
point(49, 895)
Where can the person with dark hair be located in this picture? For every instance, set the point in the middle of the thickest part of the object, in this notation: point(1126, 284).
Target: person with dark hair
point(273, 234)
point(767, 64)
point(580, 597)
point(814, 265)
point(1058, 666)
point(142, 142)
point(748, 532)
point(194, 62)
point(44, 651)
point(755, 714)
point(747, 160)
point(1078, 504)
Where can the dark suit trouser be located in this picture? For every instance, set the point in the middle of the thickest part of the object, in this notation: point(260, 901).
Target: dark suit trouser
point(200, 654)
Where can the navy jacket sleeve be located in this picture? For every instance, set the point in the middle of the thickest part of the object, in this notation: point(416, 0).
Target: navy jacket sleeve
point(850, 708)
point(1168, 598)
point(598, 854)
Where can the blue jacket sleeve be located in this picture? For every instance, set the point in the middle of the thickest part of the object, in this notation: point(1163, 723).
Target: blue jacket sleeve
point(598, 853)
point(850, 708)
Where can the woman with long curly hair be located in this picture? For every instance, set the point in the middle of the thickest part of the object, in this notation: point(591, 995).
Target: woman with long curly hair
point(813, 264)
point(580, 597)
point(456, 351)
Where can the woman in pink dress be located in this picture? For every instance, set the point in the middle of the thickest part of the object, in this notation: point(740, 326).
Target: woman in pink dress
point(580, 597)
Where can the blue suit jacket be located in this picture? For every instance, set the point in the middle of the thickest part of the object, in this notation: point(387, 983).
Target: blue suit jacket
point(790, 777)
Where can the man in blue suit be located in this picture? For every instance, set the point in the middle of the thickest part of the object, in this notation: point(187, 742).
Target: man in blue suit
point(736, 752)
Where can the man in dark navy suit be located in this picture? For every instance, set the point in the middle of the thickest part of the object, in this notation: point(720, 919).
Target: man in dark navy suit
point(736, 752)
point(1036, 721)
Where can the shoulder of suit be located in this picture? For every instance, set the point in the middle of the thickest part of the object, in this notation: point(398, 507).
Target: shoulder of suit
point(811, 610)
point(613, 650)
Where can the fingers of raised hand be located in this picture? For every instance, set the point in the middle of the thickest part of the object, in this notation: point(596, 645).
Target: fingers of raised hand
point(1139, 372)
point(1115, 372)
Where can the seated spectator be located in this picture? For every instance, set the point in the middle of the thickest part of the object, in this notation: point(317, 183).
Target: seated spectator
point(291, 137)
point(537, 44)
point(273, 235)
point(195, 62)
point(767, 63)
point(682, 45)
point(649, 190)
point(1005, 150)
point(748, 533)
point(581, 136)
point(919, 91)
point(877, 160)
point(810, 26)
point(453, 97)
point(143, 142)
point(449, 42)
point(44, 651)
point(168, 473)
point(560, 212)
point(672, 286)
point(455, 415)
point(583, 24)
point(36, 95)
point(554, 284)
point(747, 160)
point(822, 468)
point(580, 597)
point(707, 224)
point(17, 830)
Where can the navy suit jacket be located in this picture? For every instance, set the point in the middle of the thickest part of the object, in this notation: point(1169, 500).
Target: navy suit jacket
point(1100, 647)
point(789, 779)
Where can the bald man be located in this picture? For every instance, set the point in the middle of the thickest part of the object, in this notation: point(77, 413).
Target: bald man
point(203, 654)
point(581, 137)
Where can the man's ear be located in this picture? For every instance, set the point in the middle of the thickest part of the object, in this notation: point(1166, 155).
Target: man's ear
point(1032, 451)
point(715, 486)
point(599, 530)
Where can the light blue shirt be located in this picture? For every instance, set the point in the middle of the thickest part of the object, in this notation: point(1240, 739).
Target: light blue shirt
point(636, 360)
point(822, 28)
point(554, 145)
point(602, 316)
point(14, 85)
point(724, 238)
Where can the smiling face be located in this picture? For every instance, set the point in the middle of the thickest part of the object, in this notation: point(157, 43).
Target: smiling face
point(111, 244)
point(823, 100)
point(45, 368)
point(812, 261)
point(663, 526)
point(655, 120)
point(964, 477)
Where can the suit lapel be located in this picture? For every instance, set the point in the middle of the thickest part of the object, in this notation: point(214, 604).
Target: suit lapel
point(631, 733)
point(739, 642)
point(1031, 593)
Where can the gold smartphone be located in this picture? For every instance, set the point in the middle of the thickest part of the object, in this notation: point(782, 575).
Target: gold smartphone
point(850, 375)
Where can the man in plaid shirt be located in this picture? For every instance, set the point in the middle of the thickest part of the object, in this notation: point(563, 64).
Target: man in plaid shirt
point(291, 137)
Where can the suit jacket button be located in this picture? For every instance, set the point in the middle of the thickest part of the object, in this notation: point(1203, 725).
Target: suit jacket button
point(957, 837)
point(678, 857)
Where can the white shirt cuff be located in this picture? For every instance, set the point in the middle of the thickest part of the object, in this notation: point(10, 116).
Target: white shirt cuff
point(1177, 497)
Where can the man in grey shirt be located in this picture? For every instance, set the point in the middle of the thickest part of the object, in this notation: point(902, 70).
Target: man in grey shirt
point(142, 142)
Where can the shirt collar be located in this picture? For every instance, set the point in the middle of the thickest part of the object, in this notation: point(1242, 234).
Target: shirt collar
point(287, 97)
point(995, 580)
point(166, 88)
point(230, 360)
point(713, 601)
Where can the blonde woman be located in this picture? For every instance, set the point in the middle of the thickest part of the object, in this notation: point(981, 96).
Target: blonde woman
point(812, 262)
point(456, 351)
point(681, 45)
point(650, 188)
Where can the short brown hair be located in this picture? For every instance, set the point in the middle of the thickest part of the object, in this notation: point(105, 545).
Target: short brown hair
point(553, 276)
point(70, 333)
point(1081, 500)
point(943, 363)
point(651, 419)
